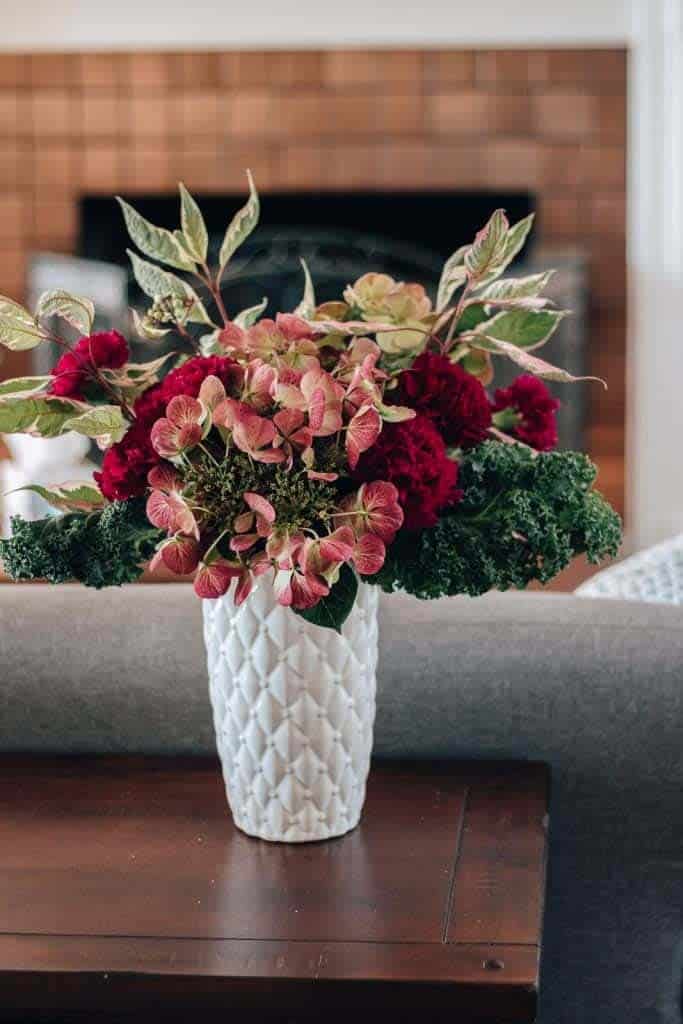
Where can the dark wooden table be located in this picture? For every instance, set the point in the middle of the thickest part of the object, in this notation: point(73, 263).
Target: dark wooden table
point(127, 894)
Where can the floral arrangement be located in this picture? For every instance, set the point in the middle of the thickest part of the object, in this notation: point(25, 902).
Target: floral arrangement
point(353, 439)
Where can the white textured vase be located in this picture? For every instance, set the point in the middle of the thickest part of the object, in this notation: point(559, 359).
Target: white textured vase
point(293, 708)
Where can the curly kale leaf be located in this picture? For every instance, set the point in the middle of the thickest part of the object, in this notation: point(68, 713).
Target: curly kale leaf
point(104, 548)
point(523, 517)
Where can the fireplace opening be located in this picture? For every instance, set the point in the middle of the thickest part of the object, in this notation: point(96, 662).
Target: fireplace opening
point(340, 235)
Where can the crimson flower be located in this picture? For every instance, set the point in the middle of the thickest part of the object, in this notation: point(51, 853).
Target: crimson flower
point(412, 456)
point(126, 465)
point(449, 396)
point(103, 350)
point(187, 379)
point(528, 411)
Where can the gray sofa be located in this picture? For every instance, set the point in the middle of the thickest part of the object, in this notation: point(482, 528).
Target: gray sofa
point(591, 687)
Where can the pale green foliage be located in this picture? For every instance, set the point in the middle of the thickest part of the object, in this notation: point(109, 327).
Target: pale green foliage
point(78, 312)
point(75, 496)
point(102, 421)
point(157, 243)
point(306, 307)
point(194, 234)
point(241, 225)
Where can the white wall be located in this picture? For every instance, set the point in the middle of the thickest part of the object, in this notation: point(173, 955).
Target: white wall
point(220, 24)
point(655, 258)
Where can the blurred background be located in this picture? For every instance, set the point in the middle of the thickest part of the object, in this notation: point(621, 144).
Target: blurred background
point(376, 142)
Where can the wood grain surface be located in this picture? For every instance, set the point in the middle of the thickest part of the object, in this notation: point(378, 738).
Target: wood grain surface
point(125, 891)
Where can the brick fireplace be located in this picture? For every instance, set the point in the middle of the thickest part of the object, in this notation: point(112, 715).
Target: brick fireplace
point(552, 122)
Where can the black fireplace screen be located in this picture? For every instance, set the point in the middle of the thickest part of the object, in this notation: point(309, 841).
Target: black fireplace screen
point(340, 235)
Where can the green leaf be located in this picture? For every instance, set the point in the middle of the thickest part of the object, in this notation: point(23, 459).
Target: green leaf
point(478, 363)
point(306, 307)
point(19, 331)
point(78, 312)
point(471, 317)
point(24, 385)
point(158, 243)
point(105, 421)
point(516, 287)
point(486, 252)
point(195, 235)
point(75, 496)
point(453, 275)
point(40, 416)
point(525, 328)
point(241, 225)
point(248, 317)
point(332, 611)
point(158, 284)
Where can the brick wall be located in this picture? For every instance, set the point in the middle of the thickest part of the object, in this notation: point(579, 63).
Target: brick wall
point(550, 121)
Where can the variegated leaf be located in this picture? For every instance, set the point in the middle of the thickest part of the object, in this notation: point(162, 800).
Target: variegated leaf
point(248, 317)
point(149, 369)
point(42, 416)
point(99, 421)
point(516, 237)
point(136, 375)
point(24, 386)
point(486, 252)
point(209, 344)
point(525, 328)
point(195, 235)
point(395, 413)
point(74, 496)
point(147, 330)
point(19, 331)
point(453, 275)
point(14, 311)
point(241, 225)
point(306, 307)
point(516, 287)
point(158, 283)
point(514, 240)
point(19, 335)
point(534, 365)
point(78, 312)
point(353, 327)
point(158, 243)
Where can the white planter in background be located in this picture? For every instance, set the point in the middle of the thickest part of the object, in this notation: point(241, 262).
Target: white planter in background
point(294, 708)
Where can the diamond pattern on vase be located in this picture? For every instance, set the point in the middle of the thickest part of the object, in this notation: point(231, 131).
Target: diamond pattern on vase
point(293, 708)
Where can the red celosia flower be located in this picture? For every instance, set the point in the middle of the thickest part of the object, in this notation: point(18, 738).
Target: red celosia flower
point(534, 410)
point(412, 456)
point(150, 405)
point(451, 397)
point(126, 465)
point(104, 350)
point(188, 378)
